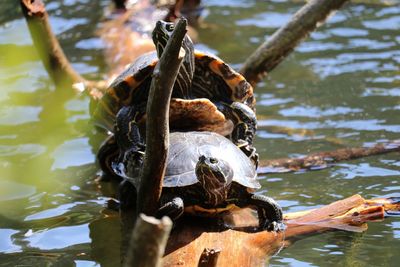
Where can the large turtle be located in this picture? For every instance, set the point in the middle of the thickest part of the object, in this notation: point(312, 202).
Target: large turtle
point(206, 174)
point(208, 95)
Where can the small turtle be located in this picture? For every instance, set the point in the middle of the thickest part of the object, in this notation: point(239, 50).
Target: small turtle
point(208, 95)
point(206, 174)
point(202, 75)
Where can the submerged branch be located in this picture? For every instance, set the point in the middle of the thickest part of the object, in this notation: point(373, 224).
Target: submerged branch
point(322, 160)
point(47, 45)
point(282, 42)
point(50, 52)
point(157, 124)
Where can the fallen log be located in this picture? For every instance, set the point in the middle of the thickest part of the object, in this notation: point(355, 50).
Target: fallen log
point(272, 52)
point(321, 160)
point(241, 246)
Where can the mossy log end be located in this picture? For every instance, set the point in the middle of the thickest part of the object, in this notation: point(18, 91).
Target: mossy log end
point(244, 247)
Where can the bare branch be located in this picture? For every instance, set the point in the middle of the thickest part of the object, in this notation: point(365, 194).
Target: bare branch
point(157, 123)
point(282, 42)
point(50, 52)
point(47, 45)
point(322, 160)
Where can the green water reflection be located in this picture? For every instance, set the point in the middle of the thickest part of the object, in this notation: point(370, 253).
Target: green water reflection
point(341, 87)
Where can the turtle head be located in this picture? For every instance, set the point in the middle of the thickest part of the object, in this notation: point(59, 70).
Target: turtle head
point(215, 176)
point(161, 34)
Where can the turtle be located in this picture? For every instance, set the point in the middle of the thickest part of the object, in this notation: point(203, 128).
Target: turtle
point(208, 95)
point(206, 174)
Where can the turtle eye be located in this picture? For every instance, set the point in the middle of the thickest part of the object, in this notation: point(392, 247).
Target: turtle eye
point(213, 160)
point(170, 27)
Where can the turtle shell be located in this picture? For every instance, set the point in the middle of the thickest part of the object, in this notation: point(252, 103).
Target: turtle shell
point(130, 87)
point(213, 79)
point(186, 148)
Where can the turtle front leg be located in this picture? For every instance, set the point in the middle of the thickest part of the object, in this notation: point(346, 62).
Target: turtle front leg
point(269, 212)
point(244, 129)
point(173, 209)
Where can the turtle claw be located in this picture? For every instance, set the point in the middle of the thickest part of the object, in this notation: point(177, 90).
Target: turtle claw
point(173, 209)
point(249, 151)
point(269, 213)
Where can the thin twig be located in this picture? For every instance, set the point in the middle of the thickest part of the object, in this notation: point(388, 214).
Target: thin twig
point(282, 42)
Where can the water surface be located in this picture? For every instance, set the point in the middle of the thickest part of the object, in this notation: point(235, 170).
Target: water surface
point(339, 88)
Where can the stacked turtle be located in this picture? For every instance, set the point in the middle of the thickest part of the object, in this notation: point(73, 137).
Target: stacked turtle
point(206, 172)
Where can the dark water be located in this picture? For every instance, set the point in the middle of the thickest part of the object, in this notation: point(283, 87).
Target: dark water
point(340, 88)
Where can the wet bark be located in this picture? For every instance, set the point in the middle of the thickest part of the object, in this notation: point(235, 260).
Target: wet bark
point(269, 54)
